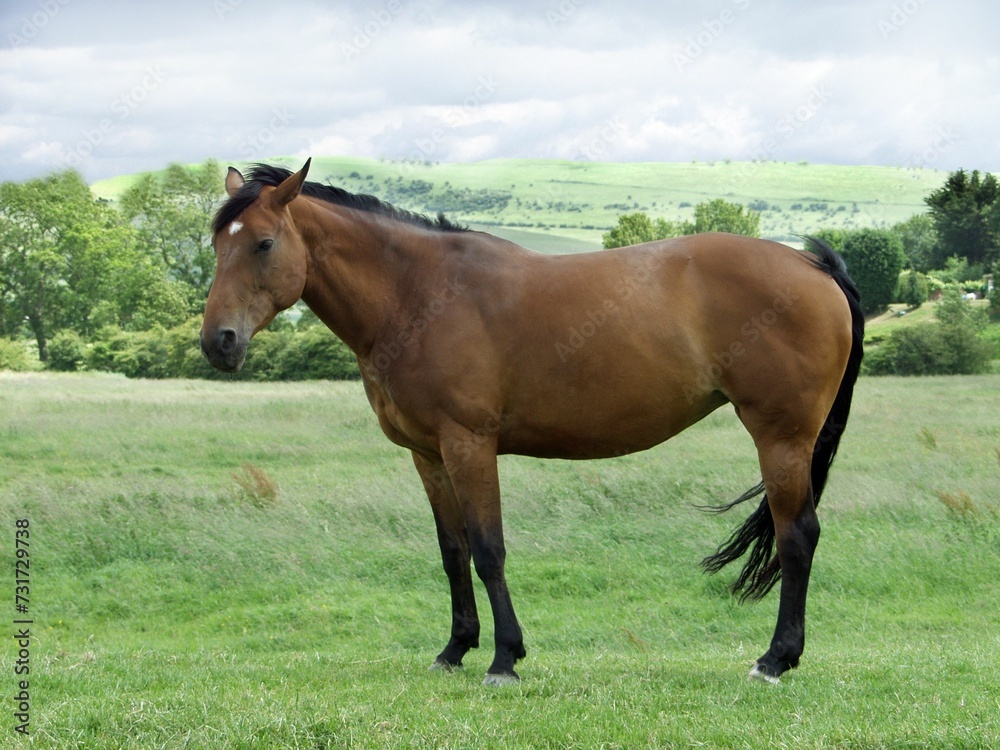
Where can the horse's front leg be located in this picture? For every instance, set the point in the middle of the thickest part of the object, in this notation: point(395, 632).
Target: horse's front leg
point(471, 463)
point(455, 554)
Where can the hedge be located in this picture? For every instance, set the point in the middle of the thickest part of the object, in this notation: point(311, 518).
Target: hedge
point(286, 353)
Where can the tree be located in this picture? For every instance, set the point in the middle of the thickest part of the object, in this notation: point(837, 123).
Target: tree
point(874, 258)
point(966, 215)
point(912, 289)
point(68, 262)
point(709, 216)
point(919, 238)
point(173, 214)
point(633, 229)
point(722, 216)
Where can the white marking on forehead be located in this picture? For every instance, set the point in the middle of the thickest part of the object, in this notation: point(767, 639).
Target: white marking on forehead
point(235, 227)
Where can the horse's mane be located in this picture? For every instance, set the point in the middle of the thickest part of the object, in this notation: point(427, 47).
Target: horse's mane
point(266, 174)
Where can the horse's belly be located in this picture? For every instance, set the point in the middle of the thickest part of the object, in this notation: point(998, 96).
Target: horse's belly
point(600, 429)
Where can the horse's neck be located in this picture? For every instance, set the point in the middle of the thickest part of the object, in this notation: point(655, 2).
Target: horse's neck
point(357, 265)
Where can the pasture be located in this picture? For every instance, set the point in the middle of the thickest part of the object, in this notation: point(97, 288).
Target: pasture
point(241, 565)
point(565, 206)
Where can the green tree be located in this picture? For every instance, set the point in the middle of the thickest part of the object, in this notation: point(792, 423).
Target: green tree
point(173, 214)
point(68, 262)
point(966, 216)
point(709, 216)
point(912, 288)
point(722, 216)
point(834, 237)
point(959, 271)
point(874, 259)
point(633, 229)
point(919, 238)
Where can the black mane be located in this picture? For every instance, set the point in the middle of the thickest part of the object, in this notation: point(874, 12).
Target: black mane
point(265, 174)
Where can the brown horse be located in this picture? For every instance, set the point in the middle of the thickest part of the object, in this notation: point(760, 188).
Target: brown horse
point(470, 346)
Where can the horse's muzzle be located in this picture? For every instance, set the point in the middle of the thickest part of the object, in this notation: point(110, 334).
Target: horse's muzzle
point(224, 349)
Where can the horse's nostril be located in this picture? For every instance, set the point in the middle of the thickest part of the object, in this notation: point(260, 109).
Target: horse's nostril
point(226, 341)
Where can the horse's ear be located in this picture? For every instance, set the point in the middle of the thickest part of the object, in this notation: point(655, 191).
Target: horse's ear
point(234, 181)
point(286, 192)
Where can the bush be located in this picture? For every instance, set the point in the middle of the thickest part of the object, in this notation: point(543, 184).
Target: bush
point(955, 311)
point(960, 271)
point(266, 356)
point(290, 352)
point(66, 352)
point(100, 355)
point(951, 346)
point(184, 357)
point(140, 354)
point(930, 349)
point(14, 356)
point(874, 259)
point(324, 356)
point(312, 353)
point(912, 288)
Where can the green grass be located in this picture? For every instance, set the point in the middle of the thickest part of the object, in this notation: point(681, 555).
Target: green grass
point(175, 606)
point(565, 205)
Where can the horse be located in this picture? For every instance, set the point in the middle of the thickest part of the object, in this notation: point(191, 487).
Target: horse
point(470, 346)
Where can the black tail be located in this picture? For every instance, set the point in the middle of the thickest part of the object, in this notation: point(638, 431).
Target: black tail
point(762, 570)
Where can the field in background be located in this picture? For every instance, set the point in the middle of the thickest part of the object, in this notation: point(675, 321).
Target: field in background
point(253, 565)
point(560, 206)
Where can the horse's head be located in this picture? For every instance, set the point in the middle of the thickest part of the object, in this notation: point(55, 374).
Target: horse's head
point(261, 265)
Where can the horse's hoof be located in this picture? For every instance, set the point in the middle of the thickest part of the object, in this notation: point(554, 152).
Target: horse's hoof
point(759, 674)
point(440, 665)
point(500, 680)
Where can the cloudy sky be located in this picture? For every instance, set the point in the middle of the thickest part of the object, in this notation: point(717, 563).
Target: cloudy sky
point(111, 87)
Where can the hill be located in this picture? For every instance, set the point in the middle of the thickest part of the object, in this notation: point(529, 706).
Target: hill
point(561, 206)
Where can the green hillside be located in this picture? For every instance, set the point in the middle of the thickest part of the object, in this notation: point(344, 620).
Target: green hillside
point(560, 206)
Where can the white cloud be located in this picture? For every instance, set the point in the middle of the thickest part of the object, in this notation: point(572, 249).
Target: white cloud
point(844, 82)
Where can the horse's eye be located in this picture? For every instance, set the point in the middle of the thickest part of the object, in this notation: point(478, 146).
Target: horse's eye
point(265, 245)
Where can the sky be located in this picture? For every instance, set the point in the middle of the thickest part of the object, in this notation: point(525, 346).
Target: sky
point(109, 87)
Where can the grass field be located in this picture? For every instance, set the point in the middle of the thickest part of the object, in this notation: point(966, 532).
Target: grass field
point(178, 604)
point(559, 206)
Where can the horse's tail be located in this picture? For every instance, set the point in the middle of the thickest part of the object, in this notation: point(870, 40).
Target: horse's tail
point(756, 535)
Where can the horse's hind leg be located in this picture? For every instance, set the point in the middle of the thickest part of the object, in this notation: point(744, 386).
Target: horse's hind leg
point(786, 470)
point(456, 556)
